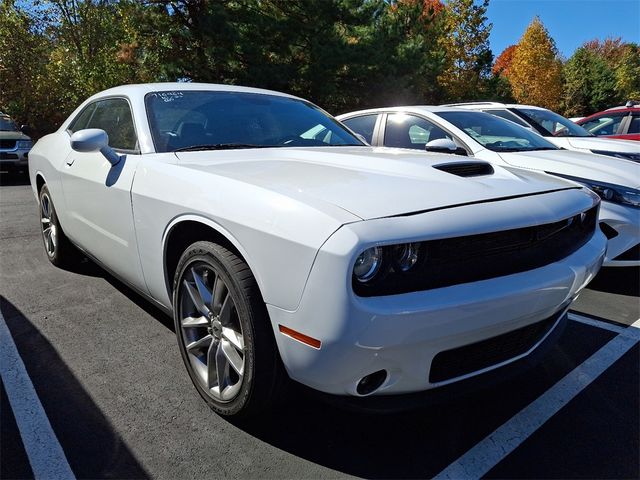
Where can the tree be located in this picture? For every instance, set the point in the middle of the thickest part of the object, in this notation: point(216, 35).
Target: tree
point(610, 50)
point(628, 73)
point(502, 64)
point(536, 71)
point(465, 41)
point(590, 85)
point(24, 48)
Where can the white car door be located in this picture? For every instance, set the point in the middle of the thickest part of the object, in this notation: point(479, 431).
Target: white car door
point(98, 194)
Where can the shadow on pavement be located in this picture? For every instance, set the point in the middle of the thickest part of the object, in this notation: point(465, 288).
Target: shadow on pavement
point(418, 443)
point(618, 280)
point(89, 268)
point(12, 179)
point(92, 447)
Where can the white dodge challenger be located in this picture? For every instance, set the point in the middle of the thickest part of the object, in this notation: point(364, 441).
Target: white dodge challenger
point(284, 247)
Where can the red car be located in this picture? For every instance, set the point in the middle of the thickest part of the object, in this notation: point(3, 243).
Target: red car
point(617, 122)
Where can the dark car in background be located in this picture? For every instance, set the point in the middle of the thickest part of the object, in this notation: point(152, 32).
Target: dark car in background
point(14, 145)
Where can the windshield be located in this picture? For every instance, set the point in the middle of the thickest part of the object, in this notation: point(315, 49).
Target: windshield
point(496, 133)
point(7, 125)
point(201, 120)
point(550, 124)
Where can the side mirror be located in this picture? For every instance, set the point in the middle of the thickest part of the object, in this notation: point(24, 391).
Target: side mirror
point(26, 129)
point(94, 140)
point(441, 145)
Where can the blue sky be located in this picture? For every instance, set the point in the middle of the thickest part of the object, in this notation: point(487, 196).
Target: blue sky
point(569, 22)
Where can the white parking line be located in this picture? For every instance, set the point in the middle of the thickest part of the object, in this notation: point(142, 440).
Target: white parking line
point(45, 454)
point(604, 325)
point(494, 448)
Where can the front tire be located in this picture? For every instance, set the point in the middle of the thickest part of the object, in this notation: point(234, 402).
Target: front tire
point(224, 332)
point(57, 246)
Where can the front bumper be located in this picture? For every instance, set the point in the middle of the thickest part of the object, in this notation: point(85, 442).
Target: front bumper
point(402, 334)
point(625, 222)
point(14, 159)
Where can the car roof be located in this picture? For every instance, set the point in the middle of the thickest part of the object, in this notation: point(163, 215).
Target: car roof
point(479, 105)
point(412, 108)
point(142, 89)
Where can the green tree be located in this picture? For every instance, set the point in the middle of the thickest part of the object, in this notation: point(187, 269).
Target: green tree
point(536, 71)
point(465, 41)
point(628, 73)
point(24, 48)
point(589, 84)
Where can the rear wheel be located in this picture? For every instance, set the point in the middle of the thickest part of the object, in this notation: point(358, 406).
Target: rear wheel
point(59, 249)
point(224, 332)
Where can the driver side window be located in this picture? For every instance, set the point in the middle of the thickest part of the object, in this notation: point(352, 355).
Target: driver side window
point(114, 117)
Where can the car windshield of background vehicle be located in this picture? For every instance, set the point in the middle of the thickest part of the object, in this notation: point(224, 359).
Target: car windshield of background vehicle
point(553, 124)
point(211, 120)
point(7, 125)
point(496, 133)
point(604, 124)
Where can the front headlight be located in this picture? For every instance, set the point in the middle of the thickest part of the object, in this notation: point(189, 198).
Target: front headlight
point(375, 263)
point(24, 144)
point(607, 191)
point(368, 264)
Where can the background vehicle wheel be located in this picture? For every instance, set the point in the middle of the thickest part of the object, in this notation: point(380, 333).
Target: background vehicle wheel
point(59, 249)
point(224, 332)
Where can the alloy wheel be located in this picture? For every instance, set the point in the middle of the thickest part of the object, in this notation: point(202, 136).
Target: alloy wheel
point(49, 228)
point(212, 332)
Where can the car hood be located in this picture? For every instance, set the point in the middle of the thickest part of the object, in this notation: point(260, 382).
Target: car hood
point(577, 164)
point(596, 143)
point(368, 182)
point(12, 135)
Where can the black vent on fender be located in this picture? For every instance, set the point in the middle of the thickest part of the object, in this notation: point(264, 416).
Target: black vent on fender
point(466, 169)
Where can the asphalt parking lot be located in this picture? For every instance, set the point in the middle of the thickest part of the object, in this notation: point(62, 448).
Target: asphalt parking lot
point(107, 373)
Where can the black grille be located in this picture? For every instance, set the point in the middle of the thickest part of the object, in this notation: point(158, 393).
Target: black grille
point(471, 358)
point(8, 156)
point(466, 169)
point(7, 144)
point(453, 261)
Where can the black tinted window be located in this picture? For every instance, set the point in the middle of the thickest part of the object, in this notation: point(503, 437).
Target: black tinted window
point(114, 117)
point(409, 131)
point(218, 119)
point(507, 116)
point(634, 126)
point(363, 125)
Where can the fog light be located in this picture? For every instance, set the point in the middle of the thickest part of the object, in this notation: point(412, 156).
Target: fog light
point(371, 382)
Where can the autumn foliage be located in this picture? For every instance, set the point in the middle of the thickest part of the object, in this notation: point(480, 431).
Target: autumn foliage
point(502, 65)
point(536, 70)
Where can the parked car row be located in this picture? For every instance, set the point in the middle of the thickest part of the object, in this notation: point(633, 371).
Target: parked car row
point(287, 248)
point(482, 136)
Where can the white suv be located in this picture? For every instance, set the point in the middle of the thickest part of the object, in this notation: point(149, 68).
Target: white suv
point(559, 130)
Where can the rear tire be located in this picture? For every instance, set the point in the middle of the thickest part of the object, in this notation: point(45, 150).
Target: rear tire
point(57, 246)
point(224, 332)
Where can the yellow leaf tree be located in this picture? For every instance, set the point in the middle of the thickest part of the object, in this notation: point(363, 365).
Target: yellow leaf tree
point(536, 70)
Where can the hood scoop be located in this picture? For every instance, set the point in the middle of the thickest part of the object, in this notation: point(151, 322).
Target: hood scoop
point(466, 169)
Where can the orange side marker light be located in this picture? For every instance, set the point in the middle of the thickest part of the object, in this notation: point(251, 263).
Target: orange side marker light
point(301, 337)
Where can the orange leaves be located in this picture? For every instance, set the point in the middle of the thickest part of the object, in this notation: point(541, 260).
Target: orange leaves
point(535, 73)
